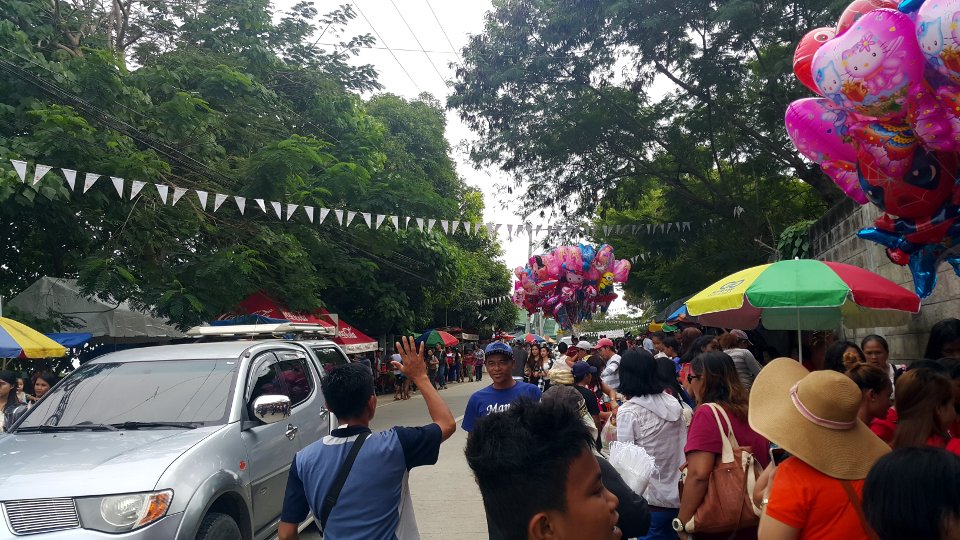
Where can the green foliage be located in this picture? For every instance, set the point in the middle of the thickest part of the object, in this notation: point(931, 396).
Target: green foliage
point(650, 111)
point(795, 241)
point(227, 97)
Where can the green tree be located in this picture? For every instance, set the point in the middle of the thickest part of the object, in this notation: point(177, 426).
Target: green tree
point(650, 111)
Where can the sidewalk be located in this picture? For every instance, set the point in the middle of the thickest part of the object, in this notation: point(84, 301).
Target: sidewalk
point(446, 498)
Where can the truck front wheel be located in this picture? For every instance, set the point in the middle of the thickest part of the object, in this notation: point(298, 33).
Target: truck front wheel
point(218, 527)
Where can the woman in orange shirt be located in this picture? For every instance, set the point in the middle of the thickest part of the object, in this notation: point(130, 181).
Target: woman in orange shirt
point(815, 493)
point(925, 410)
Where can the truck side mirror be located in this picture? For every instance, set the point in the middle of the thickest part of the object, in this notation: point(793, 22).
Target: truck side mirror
point(271, 408)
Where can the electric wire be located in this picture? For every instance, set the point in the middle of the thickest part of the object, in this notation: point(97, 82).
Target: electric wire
point(415, 38)
point(360, 11)
point(452, 48)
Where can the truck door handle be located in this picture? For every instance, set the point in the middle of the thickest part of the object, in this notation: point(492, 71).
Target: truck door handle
point(291, 431)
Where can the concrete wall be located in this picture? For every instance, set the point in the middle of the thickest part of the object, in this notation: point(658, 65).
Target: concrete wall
point(833, 238)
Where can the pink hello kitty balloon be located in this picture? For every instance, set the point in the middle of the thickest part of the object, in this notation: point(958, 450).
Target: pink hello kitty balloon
point(819, 130)
point(938, 32)
point(870, 68)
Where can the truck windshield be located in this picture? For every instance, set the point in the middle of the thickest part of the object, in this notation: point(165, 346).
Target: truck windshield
point(194, 391)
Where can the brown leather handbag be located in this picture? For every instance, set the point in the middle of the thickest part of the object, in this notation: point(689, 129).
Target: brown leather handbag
point(728, 505)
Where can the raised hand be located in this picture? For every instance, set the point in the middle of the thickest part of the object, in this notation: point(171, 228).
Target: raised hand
point(412, 365)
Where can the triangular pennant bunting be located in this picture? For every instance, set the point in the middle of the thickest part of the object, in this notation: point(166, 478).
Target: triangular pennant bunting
point(366, 218)
point(277, 209)
point(218, 200)
point(135, 187)
point(177, 193)
point(339, 214)
point(380, 218)
point(686, 225)
point(455, 226)
point(21, 168)
point(162, 190)
point(202, 197)
point(668, 227)
point(262, 204)
point(89, 180)
point(118, 185)
point(350, 216)
point(291, 208)
point(406, 222)
point(430, 224)
point(323, 215)
point(510, 230)
point(39, 172)
point(445, 226)
point(309, 211)
point(241, 203)
point(70, 176)
point(396, 222)
point(420, 223)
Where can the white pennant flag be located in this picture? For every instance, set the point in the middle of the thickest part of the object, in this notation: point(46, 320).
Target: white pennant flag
point(323, 215)
point(277, 209)
point(339, 214)
point(606, 229)
point(466, 226)
point(648, 228)
point(538, 229)
point(202, 197)
point(291, 208)
point(445, 226)
point(380, 218)
point(430, 224)
point(510, 230)
point(686, 225)
point(350, 215)
point(177, 193)
point(71, 177)
point(218, 200)
point(366, 218)
point(454, 226)
point(420, 223)
point(241, 203)
point(262, 205)
point(21, 168)
point(39, 172)
point(135, 188)
point(89, 180)
point(309, 211)
point(162, 190)
point(118, 185)
point(396, 222)
point(406, 222)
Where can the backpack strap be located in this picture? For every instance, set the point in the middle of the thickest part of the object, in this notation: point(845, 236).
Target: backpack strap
point(334, 494)
point(855, 501)
point(726, 436)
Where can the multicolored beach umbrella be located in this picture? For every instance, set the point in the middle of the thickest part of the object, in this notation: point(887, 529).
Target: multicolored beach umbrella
point(18, 340)
point(803, 294)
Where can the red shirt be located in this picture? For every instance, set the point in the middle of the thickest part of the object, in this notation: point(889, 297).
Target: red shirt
point(705, 437)
point(885, 427)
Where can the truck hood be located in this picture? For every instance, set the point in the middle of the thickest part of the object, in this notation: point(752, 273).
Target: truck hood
point(42, 465)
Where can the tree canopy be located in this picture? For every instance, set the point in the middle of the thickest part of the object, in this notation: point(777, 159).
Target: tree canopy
point(650, 111)
point(228, 97)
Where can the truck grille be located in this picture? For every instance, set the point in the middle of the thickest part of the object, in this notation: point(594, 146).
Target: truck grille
point(41, 515)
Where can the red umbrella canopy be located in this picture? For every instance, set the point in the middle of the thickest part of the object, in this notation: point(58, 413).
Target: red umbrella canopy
point(432, 338)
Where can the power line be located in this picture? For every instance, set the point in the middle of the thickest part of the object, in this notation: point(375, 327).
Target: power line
point(360, 11)
point(415, 38)
point(452, 48)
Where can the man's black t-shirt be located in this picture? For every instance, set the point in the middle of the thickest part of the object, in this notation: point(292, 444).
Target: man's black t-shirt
point(592, 406)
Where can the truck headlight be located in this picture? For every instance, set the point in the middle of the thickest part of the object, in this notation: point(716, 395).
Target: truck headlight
point(122, 513)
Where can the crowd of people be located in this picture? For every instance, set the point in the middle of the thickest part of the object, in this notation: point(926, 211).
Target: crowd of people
point(17, 391)
point(851, 447)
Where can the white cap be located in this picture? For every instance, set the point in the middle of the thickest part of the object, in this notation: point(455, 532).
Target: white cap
point(584, 345)
point(396, 357)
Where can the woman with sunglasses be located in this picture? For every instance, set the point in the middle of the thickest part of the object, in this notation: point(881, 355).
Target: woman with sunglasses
point(713, 379)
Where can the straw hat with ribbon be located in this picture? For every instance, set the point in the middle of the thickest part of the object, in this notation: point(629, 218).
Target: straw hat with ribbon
point(813, 416)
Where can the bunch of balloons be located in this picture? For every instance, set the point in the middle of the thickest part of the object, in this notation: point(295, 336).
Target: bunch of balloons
point(570, 284)
point(887, 127)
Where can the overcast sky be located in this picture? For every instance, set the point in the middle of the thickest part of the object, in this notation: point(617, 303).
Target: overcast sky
point(413, 72)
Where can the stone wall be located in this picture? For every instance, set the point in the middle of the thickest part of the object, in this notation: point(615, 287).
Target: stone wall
point(834, 238)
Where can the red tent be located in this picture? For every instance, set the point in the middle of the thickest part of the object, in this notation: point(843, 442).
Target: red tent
point(260, 304)
point(349, 338)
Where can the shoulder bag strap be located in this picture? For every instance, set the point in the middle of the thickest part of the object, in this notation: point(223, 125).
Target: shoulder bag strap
point(331, 499)
point(726, 455)
point(855, 501)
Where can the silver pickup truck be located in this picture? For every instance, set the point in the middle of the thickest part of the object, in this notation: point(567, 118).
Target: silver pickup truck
point(181, 441)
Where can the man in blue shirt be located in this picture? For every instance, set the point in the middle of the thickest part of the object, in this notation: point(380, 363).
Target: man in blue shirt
point(505, 389)
point(375, 500)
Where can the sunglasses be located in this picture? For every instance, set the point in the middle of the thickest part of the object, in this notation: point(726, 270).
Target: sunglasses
point(691, 377)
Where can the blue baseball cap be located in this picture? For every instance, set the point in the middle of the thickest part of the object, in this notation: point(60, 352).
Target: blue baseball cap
point(498, 347)
point(580, 370)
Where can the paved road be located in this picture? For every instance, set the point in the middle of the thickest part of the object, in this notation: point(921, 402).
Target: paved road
point(445, 497)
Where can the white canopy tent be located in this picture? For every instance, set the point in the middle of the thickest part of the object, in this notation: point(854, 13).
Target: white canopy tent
point(107, 322)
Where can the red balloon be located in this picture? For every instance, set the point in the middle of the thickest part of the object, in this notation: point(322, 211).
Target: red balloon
point(859, 8)
point(803, 57)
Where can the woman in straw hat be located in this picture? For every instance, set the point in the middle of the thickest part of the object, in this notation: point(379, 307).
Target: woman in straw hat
point(816, 492)
point(713, 379)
